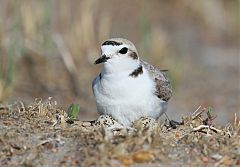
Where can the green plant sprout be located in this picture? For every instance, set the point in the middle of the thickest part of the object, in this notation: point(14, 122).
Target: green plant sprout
point(73, 111)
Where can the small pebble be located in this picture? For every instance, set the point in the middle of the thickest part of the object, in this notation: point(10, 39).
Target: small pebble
point(86, 124)
point(216, 156)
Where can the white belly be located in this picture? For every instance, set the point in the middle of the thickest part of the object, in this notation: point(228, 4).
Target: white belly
point(127, 99)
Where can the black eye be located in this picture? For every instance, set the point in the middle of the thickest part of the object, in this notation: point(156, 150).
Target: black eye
point(123, 50)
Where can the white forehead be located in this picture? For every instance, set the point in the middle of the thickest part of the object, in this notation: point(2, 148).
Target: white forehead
point(113, 45)
point(110, 49)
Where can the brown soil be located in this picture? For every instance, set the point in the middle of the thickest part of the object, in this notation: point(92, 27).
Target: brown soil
point(38, 135)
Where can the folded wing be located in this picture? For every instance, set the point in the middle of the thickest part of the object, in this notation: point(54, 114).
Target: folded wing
point(163, 86)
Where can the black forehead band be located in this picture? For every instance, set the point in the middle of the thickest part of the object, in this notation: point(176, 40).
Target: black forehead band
point(113, 43)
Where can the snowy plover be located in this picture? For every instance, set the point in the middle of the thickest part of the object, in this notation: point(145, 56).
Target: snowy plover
point(128, 88)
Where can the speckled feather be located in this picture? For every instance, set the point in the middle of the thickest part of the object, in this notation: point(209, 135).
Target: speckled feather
point(163, 86)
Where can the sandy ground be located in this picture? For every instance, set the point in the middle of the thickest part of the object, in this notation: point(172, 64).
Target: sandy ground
point(198, 43)
point(37, 134)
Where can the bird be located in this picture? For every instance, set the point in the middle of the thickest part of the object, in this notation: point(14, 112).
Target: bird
point(128, 88)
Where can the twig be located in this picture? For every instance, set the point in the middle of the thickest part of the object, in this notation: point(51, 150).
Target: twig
point(58, 139)
point(196, 110)
point(236, 121)
point(45, 141)
point(229, 129)
point(22, 106)
point(199, 113)
point(200, 127)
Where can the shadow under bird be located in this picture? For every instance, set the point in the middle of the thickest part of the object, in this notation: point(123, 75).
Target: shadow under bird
point(127, 87)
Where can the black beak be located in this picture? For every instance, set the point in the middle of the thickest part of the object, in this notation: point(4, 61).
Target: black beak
point(102, 59)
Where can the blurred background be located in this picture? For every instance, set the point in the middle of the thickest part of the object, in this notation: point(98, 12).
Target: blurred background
point(47, 48)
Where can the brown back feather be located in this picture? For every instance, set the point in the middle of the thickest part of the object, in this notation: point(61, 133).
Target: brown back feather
point(163, 86)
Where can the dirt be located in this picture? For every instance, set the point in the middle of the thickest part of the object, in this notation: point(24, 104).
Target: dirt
point(37, 134)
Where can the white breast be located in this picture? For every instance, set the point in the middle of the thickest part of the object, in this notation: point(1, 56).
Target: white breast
point(126, 98)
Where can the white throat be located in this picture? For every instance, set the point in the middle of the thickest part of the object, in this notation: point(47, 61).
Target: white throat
point(125, 66)
point(119, 62)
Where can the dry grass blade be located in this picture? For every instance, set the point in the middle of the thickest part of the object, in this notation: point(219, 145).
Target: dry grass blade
point(68, 62)
point(153, 144)
point(196, 113)
point(236, 120)
point(65, 54)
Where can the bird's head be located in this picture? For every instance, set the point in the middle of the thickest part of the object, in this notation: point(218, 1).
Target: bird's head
point(118, 54)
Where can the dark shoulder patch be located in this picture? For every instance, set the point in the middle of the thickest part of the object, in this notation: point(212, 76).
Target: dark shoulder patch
point(134, 55)
point(137, 72)
point(100, 76)
point(113, 43)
